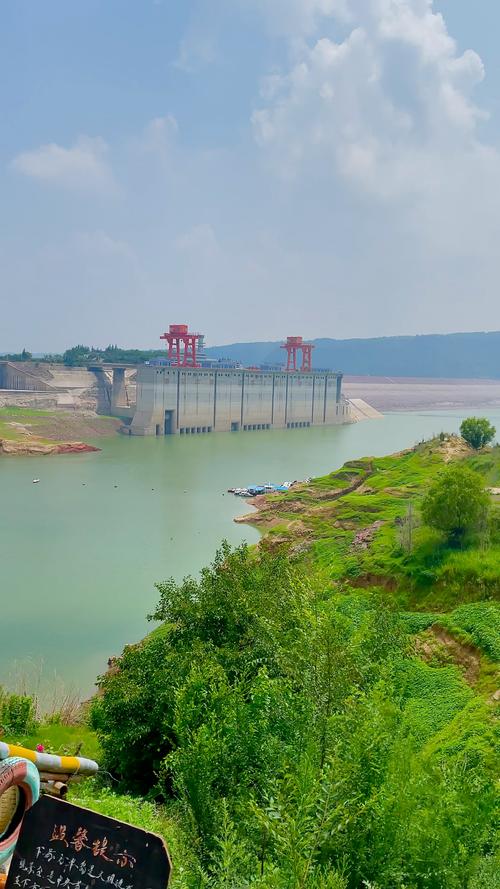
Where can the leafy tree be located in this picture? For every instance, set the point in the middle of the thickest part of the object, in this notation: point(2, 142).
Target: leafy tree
point(243, 622)
point(19, 356)
point(79, 356)
point(477, 432)
point(76, 356)
point(456, 503)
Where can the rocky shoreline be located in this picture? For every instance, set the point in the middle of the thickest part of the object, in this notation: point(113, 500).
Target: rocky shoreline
point(40, 449)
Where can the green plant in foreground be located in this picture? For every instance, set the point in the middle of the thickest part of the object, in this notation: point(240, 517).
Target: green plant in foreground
point(477, 432)
point(456, 503)
point(17, 713)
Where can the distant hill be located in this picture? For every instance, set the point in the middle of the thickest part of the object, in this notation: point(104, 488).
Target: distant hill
point(454, 355)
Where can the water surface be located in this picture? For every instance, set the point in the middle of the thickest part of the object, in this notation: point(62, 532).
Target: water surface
point(80, 551)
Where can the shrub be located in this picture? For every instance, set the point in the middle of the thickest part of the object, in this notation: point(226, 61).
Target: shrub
point(17, 713)
point(243, 616)
point(456, 503)
point(477, 432)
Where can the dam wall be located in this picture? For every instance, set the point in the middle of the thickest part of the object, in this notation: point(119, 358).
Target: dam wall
point(186, 401)
point(105, 388)
point(24, 377)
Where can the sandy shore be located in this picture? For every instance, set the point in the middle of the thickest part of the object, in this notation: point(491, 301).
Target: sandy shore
point(407, 393)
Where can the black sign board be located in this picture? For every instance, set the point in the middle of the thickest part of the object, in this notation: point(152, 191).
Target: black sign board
point(62, 846)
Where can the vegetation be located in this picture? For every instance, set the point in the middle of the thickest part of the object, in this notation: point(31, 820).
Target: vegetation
point(28, 425)
point(56, 737)
point(17, 356)
point(456, 503)
point(17, 713)
point(78, 356)
point(477, 432)
point(319, 712)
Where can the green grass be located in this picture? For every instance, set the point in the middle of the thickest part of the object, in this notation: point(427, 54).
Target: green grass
point(49, 426)
point(488, 464)
point(429, 584)
point(34, 419)
point(20, 413)
point(140, 813)
point(418, 622)
point(61, 739)
point(477, 624)
point(433, 697)
point(91, 794)
point(432, 577)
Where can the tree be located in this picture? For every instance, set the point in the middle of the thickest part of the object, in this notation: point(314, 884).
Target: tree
point(456, 503)
point(477, 432)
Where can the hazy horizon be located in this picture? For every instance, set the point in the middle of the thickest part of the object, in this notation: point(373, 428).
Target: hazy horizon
point(238, 342)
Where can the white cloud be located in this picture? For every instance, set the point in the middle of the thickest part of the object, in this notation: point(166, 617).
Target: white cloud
point(100, 244)
point(200, 243)
point(196, 50)
point(160, 135)
point(83, 166)
point(385, 109)
point(297, 17)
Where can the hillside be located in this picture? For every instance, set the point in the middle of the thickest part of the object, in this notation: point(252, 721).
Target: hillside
point(457, 355)
point(319, 711)
point(350, 527)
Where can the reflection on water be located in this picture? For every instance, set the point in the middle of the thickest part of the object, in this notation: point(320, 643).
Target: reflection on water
point(80, 552)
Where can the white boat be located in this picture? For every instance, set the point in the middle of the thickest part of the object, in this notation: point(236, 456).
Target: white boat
point(35, 481)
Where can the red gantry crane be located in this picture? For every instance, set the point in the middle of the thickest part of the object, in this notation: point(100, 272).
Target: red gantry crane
point(294, 345)
point(182, 345)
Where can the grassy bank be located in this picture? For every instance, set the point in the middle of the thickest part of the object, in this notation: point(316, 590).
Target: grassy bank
point(361, 526)
point(25, 427)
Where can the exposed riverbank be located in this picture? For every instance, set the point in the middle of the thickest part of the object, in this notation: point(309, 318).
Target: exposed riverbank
point(37, 448)
point(29, 432)
point(420, 393)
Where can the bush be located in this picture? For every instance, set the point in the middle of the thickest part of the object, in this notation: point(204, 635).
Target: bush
point(17, 713)
point(456, 503)
point(245, 615)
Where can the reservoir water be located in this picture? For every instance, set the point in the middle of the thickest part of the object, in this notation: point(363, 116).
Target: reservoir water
point(80, 551)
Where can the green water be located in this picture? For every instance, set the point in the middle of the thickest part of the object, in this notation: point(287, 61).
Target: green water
point(81, 550)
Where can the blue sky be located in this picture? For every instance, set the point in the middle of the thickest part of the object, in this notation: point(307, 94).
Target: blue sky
point(255, 168)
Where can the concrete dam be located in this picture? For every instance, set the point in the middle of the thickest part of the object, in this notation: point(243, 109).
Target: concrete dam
point(188, 401)
point(188, 393)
